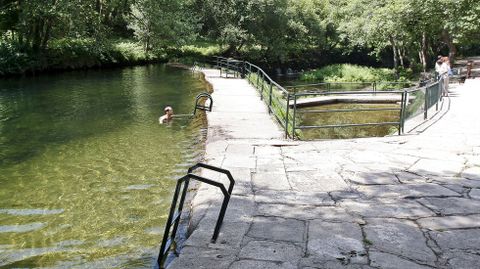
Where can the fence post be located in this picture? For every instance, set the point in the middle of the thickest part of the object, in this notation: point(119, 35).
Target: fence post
point(404, 111)
point(294, 114)
point(270, 97)
point(425, 112)
point(243, 69)
point(258, 77)
point(286, 116)
point(261, 91)
point(401, 114)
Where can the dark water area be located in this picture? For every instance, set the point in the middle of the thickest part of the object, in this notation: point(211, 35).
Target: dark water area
point(86, 171)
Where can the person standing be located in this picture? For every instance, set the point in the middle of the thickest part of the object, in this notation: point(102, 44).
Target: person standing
point(438, 64)
point(445, 72)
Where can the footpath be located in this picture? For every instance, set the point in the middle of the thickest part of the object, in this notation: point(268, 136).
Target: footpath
point(410, 201)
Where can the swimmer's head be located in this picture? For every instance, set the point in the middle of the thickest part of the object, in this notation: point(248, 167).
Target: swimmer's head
point(168, 110)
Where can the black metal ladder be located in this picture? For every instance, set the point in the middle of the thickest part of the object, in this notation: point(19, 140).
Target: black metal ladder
point(176, 208)
point(205, 106)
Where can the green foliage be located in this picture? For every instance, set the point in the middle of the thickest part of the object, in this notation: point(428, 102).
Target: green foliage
point(275, 32)
point(349, 73)
point(162, 23)
point(67, 53)
point(12, 58)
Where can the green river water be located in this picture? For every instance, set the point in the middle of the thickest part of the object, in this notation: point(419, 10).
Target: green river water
point(86, 171)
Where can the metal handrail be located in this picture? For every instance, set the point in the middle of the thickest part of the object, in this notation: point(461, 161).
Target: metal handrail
point(198, 106)
point(175, 213)
point(286, 109)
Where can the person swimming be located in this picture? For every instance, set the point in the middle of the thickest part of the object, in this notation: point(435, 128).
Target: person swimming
point(168, 115)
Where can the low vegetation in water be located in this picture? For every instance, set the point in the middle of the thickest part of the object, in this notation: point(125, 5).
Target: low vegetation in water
point(354, 73)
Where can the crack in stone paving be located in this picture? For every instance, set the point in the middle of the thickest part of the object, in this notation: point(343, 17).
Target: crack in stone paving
point(366, 243)
point(432, 244)
point(373, 203)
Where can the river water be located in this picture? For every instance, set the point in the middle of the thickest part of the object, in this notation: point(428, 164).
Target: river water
point(86, 171)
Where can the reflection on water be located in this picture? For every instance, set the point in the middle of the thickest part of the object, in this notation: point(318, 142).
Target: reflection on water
point(86, 170)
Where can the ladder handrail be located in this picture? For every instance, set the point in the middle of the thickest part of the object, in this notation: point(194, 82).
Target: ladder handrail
point(175, 214)
point(203, 107)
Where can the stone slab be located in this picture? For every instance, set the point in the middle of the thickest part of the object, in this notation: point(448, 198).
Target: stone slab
point(307, 212)
point(271, 251)
point(381, 208)
point(292, 197)
point(457, 239)
point(472, 173)
point(400, 237)
point(389, 261)
point(336, 241)
point(463, 260)
point(316, 181)
point(475, 194)
point(450, 222)
point(451, 205)
point(270, 181)
point(437, 167)
point(203, 258)
point(254, 264)
point(275, 228)
point(402, 191)
point(370, 178)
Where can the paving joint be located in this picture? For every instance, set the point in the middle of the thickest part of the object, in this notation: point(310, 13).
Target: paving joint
point(350, 203)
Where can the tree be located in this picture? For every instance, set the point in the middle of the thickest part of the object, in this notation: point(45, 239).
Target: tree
point(162, 23)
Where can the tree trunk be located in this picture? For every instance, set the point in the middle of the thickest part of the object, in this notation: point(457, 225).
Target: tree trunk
point(447, 38)
point(394, 49)
point(400, 56)
point(37, 35)
point(46, 34)
point(423, 52)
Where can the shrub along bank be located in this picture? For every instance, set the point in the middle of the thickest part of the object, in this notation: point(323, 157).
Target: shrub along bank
point(69, 54)
point(354, 73)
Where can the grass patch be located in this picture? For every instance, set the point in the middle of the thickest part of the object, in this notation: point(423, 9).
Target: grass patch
point(357, 73)
point(367, 242)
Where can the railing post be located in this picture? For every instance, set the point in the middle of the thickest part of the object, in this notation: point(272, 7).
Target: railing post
point(403, 111)
point(294, 114)
point(286, 116)
point(258, 77)
point(425, 112)
point(243, 69)
point(401, 114)
point(270, 98)
point(261, 92)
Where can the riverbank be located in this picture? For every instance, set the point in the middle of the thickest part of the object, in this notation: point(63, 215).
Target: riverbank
point(390, 202)
point(72, 54)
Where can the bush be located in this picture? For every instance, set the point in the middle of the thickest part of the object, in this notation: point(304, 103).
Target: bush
point(350, 73)
point(69, 53)
point(13, 59)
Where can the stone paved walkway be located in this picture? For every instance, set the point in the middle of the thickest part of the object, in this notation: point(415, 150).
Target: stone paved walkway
point(397, 202)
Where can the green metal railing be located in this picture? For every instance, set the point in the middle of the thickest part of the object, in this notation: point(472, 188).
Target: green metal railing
point(397, 97)
point(433, 94)
point(283, 102)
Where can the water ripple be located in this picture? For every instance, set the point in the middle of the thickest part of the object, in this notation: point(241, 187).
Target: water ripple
point(28, 212)
point(21, 228)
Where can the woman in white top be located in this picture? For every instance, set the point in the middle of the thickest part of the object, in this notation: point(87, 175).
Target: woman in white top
point(444, 72)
